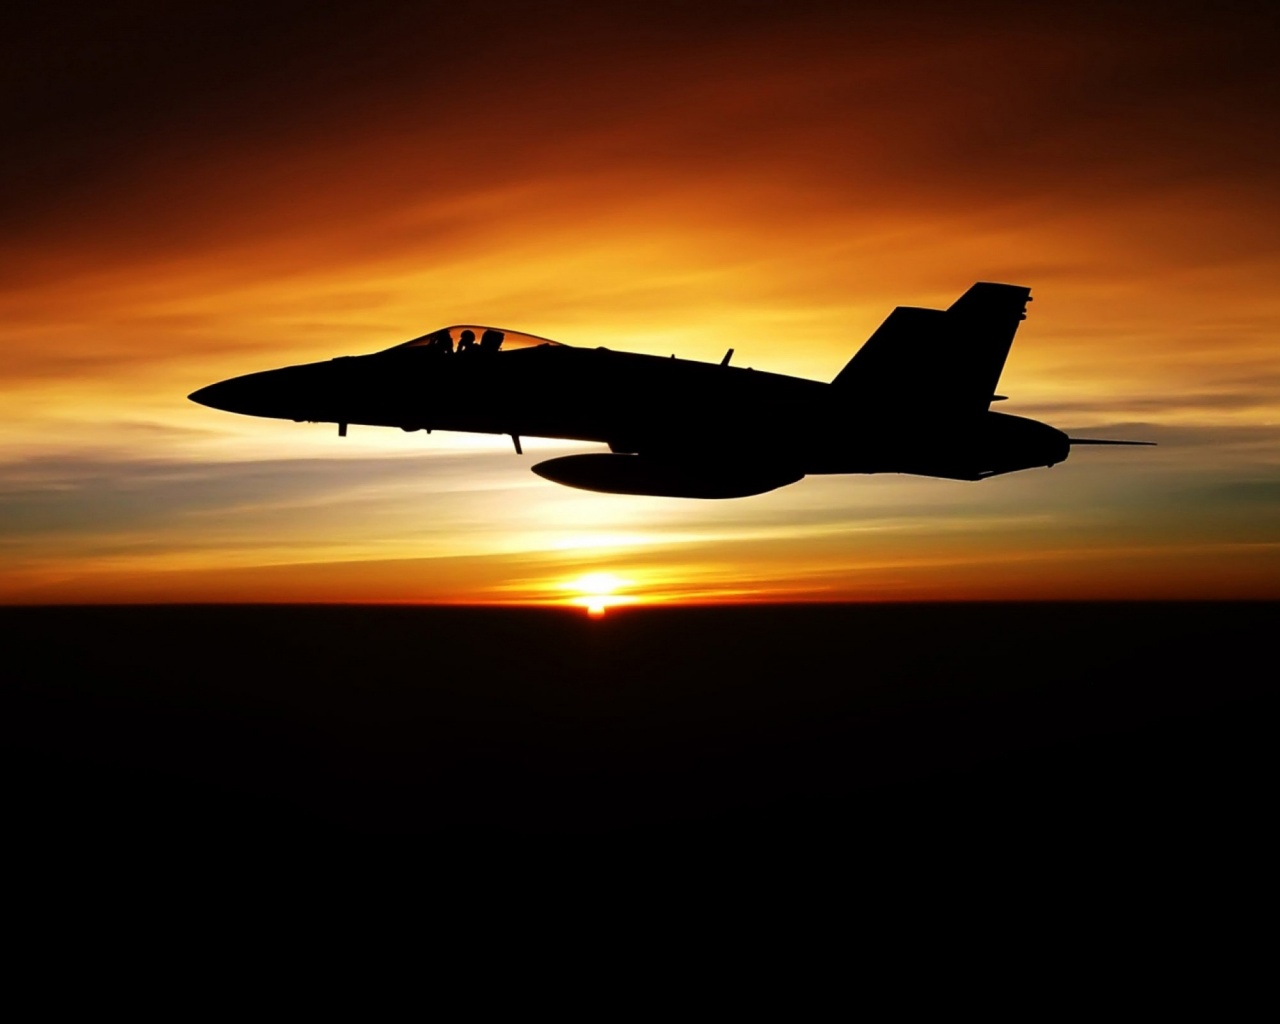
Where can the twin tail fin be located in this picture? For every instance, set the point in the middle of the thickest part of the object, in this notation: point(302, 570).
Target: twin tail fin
point(947, 360)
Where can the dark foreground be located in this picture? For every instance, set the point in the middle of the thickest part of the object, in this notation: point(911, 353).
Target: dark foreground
point(847, 729)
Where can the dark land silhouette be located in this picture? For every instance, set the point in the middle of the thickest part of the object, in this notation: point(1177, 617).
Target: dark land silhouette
point(915, 398)
point(844, 728)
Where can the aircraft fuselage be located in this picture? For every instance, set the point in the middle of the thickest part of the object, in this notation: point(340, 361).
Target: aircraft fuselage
point(913, 399)
point(640, 404)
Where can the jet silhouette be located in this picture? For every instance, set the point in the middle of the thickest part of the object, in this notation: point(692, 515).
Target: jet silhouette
point(915, 398)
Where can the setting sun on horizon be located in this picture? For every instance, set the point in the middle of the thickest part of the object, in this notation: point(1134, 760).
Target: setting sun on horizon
point(598, 591)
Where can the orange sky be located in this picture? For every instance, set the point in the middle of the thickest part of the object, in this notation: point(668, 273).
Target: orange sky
point(197, 193)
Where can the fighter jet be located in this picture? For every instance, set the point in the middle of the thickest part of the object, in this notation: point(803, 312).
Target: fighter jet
point(915, 398)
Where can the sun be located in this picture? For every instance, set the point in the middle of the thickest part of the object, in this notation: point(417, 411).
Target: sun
point(598, 591)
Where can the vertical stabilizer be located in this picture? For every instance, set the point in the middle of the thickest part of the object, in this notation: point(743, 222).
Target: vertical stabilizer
point(946, 360)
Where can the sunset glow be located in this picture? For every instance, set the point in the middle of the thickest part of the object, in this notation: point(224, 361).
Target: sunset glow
point(598, 591)
point(210, 190)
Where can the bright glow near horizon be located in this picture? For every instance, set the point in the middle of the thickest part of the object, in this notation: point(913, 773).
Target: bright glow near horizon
point(597, 591)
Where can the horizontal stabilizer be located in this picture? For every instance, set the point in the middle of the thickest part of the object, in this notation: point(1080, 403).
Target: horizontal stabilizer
point(1092, 440)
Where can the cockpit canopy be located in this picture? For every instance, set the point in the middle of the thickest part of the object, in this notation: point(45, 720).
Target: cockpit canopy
point(474, 338)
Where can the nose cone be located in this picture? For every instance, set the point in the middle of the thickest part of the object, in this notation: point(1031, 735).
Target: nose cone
point(248, 395)
point(217, 396)
point(288, 393)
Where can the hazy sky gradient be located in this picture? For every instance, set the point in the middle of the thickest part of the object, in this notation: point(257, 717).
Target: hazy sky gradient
point(197, 191)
